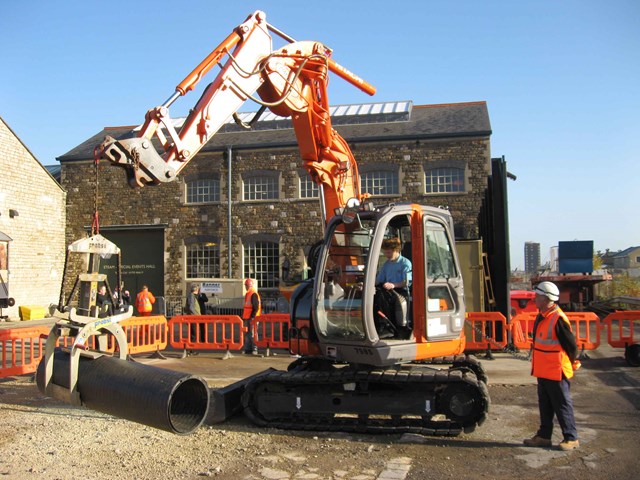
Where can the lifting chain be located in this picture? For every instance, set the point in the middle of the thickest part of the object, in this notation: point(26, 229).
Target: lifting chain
point(95, 224)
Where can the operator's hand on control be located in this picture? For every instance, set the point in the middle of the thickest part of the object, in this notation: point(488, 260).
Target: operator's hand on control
point(388, 286)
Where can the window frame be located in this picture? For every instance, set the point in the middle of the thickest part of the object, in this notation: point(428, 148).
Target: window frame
point(201, 242)
point(264, 269)
point(460, 166)
point(377, 168)
point(253, 175)
point(216, 187)
point(304, 177)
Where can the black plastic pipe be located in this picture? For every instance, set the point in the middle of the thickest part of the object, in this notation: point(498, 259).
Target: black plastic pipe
point(173, 401)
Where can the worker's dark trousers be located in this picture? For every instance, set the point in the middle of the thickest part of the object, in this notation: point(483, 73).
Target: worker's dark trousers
point(248, 346)
point(555, 398)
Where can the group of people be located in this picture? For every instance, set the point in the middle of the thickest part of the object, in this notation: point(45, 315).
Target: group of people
point(143, 304)
point(105, 304)
point(252, 308)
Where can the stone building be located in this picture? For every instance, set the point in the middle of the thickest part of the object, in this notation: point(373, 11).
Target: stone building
point(245, 207)
point(32, 227)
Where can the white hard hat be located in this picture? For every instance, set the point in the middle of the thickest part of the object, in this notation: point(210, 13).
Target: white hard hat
point(548, 289)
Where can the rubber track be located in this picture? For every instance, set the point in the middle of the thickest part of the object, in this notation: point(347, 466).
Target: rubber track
point(431, 381)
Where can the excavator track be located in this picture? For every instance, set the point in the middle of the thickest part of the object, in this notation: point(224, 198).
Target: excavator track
point(416, 399)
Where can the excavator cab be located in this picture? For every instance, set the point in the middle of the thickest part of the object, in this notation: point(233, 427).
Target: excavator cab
point(358, 368)
point(356, 320)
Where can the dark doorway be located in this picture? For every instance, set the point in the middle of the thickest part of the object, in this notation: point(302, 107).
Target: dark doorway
point(142, 263)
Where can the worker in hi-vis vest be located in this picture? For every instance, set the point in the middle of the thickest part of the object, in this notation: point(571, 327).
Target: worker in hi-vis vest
point(553, 363)
point(145, 301)
point(252, 309)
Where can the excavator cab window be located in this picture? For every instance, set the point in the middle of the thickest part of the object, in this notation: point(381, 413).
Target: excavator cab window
point(443, 291)
point(340, 300)
point(392, 306)
point(440, 263)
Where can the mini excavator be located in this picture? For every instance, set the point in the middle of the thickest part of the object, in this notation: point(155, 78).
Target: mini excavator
point(366, 363)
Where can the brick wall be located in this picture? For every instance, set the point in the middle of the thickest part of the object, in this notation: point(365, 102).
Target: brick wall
point(37, 251)
point(294, 223)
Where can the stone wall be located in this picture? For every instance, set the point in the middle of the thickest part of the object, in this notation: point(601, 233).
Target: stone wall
point(36, 254)
point(296, 224)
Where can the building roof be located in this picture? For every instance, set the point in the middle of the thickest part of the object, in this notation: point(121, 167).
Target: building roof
point(625, 252)
point(356, 123)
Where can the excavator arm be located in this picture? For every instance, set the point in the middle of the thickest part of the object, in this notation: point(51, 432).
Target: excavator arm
point(291, 82)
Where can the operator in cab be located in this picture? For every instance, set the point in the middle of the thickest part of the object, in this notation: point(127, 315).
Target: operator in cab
point(395, 274)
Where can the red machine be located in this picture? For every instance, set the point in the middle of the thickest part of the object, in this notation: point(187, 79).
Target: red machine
point(522, 301)
point(357, 369)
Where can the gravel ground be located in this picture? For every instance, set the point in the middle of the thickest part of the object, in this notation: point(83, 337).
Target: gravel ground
point(43, 438)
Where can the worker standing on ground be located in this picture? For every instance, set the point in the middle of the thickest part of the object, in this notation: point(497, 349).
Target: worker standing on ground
point(554, 360)
point(252, 309)
point(192, 307)
point(145, 301)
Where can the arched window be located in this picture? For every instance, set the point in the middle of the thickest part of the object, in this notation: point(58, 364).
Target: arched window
point(203, 257)
point(261, 262)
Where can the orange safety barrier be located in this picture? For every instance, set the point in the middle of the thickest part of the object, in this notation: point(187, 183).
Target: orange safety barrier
point(145, 334)
point(585, 326)
point(206, 332)
point(22, 349)
point(521, 329)
point(271, 330)
point(488, 331)
point(621, 335)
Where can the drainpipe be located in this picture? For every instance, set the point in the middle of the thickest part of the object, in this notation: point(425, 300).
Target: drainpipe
point(229, 228)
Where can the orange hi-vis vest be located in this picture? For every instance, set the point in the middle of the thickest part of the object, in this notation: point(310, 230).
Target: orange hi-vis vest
point(144, 301)
point(248, 306)
point(550, 361)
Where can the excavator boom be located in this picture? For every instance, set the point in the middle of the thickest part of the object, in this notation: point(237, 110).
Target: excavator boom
point(291, 82)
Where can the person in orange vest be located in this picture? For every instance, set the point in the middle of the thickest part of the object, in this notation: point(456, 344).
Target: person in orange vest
point(554, 361)
point(252, 309)
point(145, 301)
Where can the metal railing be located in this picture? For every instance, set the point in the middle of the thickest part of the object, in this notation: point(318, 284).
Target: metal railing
point(271, 303)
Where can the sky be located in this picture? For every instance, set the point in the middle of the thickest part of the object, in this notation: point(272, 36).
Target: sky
point(561, 80)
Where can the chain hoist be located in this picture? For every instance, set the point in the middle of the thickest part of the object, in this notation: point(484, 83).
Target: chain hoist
point(95, 224)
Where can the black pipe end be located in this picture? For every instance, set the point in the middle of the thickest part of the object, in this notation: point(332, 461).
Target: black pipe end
point(189, 405)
